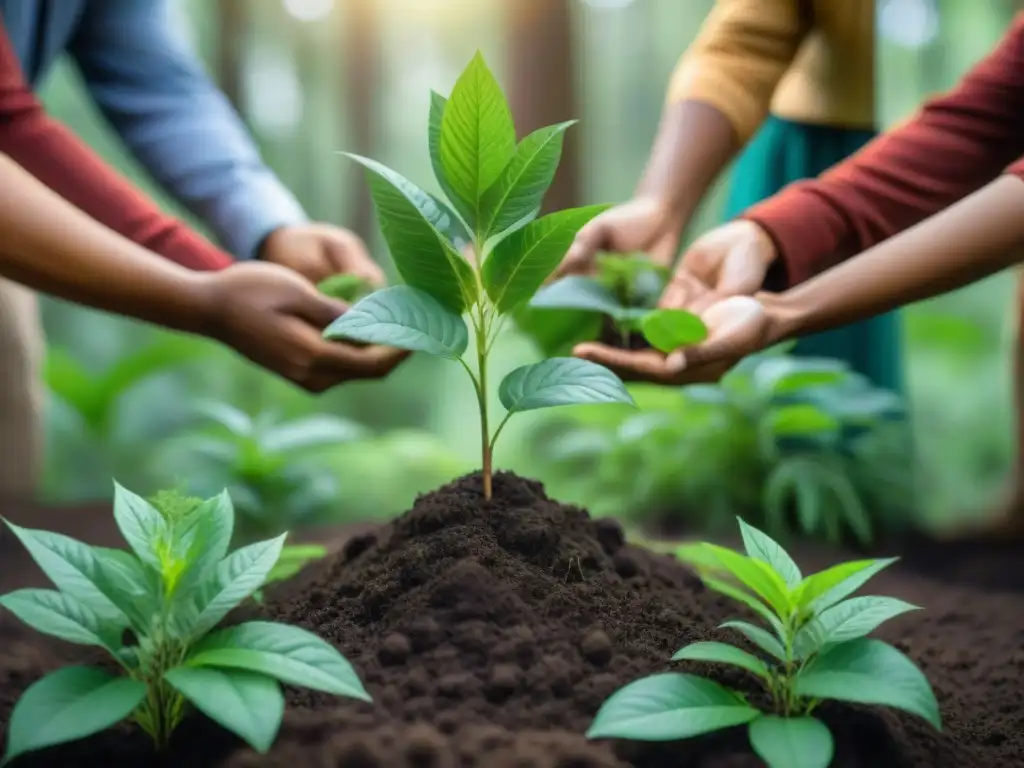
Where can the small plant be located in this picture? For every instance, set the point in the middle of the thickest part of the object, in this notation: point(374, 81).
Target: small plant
point(273, 469)
point(496, 186)
point(344, 286)
point(625, 290)
point(813, 647)
point(155, 610)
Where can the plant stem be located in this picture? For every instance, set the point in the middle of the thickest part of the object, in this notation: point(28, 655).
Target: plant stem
point(485, 432)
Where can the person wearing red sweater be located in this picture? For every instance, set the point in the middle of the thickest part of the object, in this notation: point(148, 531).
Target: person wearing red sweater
point(56, 157)
point(957, 161)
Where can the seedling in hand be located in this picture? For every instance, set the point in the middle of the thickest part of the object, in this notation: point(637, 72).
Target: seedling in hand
point(495, 186)
point(813, 646)
point(625, 290)
point(155, 609)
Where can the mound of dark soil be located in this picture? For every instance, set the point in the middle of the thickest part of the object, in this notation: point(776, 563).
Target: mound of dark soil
point(489, 634)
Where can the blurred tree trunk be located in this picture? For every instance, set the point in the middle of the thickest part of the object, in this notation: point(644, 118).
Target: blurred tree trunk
point(361, 51)
point(542, 83)
point(232, 23)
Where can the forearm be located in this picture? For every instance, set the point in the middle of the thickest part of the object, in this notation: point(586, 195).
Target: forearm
point(695, 143)
point(975, 238)
point(49, 245)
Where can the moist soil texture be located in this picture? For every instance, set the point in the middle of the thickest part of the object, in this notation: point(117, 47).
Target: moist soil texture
point(489, 633)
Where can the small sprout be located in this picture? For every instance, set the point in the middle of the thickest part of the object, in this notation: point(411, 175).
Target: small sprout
point(155, 610)
point(345, 287)
point(624, 290)
point(812, 646)
point(495, 187)
point(669, 329)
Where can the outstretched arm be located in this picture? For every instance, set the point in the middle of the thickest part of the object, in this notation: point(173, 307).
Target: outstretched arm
point(719, 96)
point(56, 157)
point(955, 145)
point(179, 125)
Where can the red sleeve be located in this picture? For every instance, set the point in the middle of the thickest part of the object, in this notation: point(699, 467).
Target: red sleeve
point(52, 154)
point(955, 145)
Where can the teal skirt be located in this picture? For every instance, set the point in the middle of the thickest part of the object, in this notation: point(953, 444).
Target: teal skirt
point(784, 152)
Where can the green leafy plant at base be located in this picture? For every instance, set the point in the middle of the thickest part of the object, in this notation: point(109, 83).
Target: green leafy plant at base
point(274, 469)
point(484, 256)
point(155, 610)
point(813, 646)
point(624, 290)
point(809, 447)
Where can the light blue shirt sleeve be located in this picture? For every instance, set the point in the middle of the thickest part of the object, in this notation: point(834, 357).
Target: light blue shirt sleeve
point(155, 92)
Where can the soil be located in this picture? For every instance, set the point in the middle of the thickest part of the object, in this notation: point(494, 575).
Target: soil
point(490, 633)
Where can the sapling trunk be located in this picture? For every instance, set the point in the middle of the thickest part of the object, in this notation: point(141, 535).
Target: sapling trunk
point(487, 447)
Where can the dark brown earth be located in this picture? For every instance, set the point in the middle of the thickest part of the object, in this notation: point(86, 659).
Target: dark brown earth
point(489, 634)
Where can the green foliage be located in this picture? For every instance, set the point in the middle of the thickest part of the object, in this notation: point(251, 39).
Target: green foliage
point(344, 286)
point(293, 559)
point(274, 470)
point(154, 609)
point(815, 646)
point(496, 186)
point(624, 290)
point(809, 446)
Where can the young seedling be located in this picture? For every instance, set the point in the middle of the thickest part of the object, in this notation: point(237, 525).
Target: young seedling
point(155, 610)
point(483, 261)
point(813, 647)
point(273, 468)
point(346, 287)
point(625, 290)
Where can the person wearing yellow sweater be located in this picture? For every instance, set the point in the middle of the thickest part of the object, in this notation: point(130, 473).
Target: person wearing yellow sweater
point(788, 85)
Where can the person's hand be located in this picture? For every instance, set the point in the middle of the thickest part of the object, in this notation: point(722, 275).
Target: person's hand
point(731, 260)
point(642, 224)
point(317, 251)
point(737, 327)
point(276, 318)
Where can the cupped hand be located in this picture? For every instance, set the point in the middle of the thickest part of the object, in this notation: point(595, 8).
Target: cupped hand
point(731, 260)
point(317, 251)
point(737, 326)
point(275, 318)
point(643, 224)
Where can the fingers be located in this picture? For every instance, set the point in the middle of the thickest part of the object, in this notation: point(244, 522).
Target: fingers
point(736, 328)
point(640, 365)
point(685, 291)
point(345, 252)
point(316, 309)
point(339, 363)
point(579, 259)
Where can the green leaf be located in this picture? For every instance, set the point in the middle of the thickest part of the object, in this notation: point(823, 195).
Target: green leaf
point(72, 567)
point(344, 286)
point(521, 262)
point(52, 613)
point(248, 704)
point(141, 525)
point(759, 637)
point(668, 707)
point(236, 578)
point(318, 430)
point(722, 653)
point(756, 575)
point(580, 293)
point(762, 547)
point(792, 742)
point(478, 138)
point(848, 620)
point(406, 318)
point(205, 538)
point(133, 588)
point(670, 329)
point(560, 381)
point(800, 420)
point(456, 231)
point(868, 671)
point(289, 654)
point(520, 189)
point(785, 375)
point(745, 598)
point(293, 559)
point(412, 223)
point(68, 705)
point(824, 589)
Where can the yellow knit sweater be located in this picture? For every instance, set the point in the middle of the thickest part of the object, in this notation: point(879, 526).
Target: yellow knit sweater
point(811, 61)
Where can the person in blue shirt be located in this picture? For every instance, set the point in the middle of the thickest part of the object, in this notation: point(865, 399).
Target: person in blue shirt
point(153, 90)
